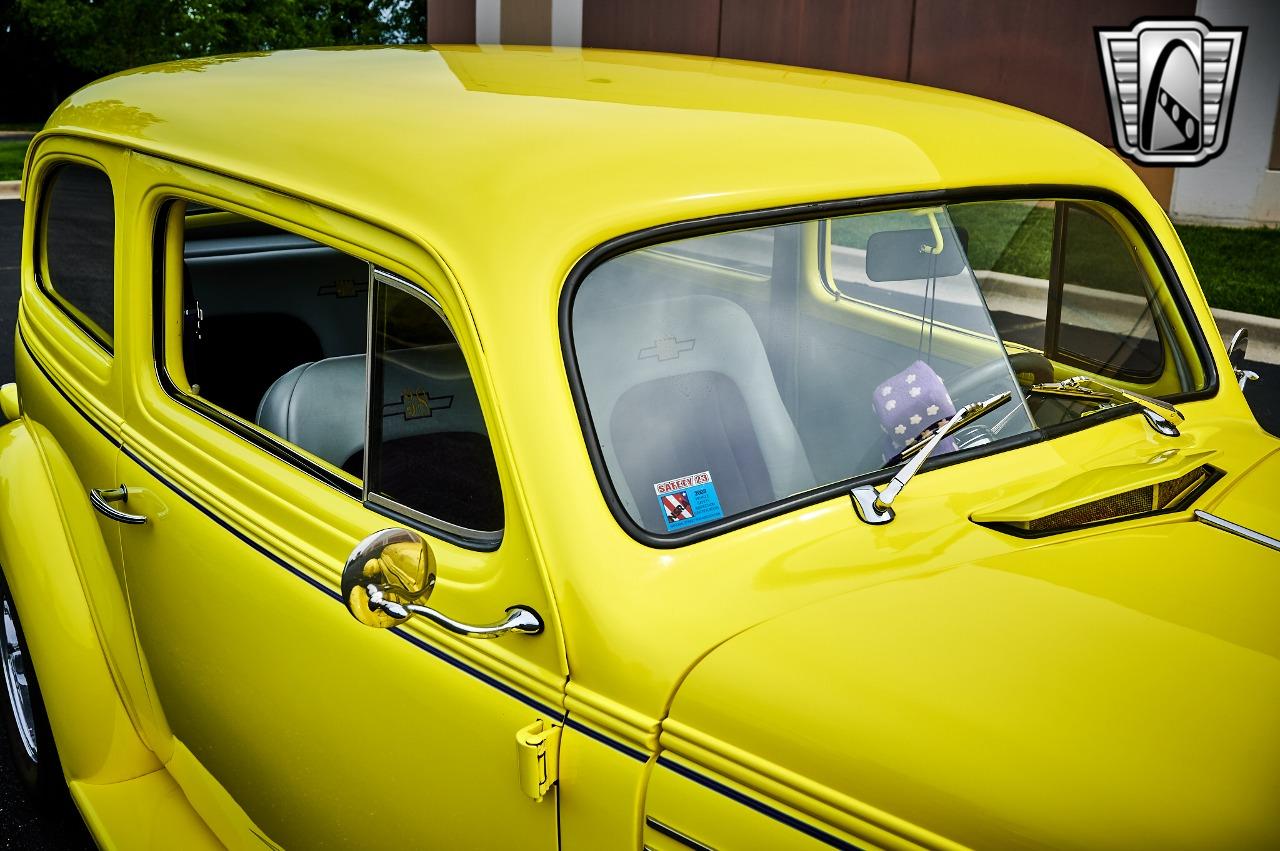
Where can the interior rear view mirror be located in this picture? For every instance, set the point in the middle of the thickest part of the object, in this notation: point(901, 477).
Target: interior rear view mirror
point(909, 255)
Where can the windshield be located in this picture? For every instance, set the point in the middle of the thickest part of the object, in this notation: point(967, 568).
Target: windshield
point(728, 372)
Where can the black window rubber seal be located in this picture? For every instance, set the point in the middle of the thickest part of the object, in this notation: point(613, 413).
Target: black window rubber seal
point(789, 214)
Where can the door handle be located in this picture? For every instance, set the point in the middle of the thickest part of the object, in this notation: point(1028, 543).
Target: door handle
point(102, 499)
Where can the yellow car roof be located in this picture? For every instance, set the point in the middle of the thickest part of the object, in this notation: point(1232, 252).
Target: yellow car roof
point(574, 144)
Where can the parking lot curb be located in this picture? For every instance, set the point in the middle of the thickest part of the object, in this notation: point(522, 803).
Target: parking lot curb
point(9, 188)
point(1264, 332)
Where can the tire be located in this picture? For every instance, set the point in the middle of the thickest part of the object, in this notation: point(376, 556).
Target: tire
point(32, 751)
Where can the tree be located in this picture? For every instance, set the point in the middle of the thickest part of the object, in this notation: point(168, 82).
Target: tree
point(99, 37)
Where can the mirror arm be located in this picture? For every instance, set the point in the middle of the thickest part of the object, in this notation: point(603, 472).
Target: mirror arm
point(519, 618)
point(938, 244)
point(1236, 350)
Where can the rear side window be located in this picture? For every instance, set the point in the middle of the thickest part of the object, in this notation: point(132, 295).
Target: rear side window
point(78, 257)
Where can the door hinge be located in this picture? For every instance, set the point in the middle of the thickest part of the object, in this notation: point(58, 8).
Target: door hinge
point(538, 755)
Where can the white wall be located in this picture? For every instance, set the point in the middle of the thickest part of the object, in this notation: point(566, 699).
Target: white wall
point(1236, 188)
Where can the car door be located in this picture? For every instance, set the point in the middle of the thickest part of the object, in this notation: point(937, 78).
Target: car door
point(70, 348)
point(324, 732)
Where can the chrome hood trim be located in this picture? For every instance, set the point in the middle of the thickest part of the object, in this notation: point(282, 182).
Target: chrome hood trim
point(1236, 529)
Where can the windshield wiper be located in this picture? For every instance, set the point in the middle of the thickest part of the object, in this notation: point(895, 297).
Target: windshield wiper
point(875, 506)
point(1161, 416)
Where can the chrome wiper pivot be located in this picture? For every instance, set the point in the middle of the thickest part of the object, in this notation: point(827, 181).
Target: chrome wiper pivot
point(1161, 416)
point(875, 506)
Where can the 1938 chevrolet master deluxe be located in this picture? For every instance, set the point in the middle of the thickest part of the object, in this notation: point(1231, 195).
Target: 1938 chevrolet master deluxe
point(828, 462)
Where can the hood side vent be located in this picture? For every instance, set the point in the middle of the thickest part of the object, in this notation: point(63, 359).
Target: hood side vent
point(1160, 498)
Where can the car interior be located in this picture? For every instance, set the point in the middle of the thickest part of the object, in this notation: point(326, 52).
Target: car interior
point(753, 385)
point(275, 332)
point(711, 354)
point(721, 354)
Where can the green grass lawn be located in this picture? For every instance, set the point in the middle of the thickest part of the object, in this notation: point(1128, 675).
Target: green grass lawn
point(11, 154)
point(1239, 268)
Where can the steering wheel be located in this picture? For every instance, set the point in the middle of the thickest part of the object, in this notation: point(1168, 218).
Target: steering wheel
point(1039, 367)
point(997, 370)
point(973, 435)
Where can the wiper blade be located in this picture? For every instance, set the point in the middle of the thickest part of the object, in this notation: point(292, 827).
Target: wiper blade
point(874, 506)
point(1161, 416)
point(917, 443)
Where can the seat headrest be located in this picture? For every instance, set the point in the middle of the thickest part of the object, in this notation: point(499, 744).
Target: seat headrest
point(320, 406)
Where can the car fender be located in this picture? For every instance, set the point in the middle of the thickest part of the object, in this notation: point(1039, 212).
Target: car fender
point(50, 541)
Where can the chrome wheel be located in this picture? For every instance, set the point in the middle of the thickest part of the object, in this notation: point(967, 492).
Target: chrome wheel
point(15, 682)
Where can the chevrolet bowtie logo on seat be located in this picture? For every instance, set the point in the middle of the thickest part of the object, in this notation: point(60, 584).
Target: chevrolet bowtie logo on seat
point(666, 348)
point(344, 288)
point(1171, 83)
point(417, 404)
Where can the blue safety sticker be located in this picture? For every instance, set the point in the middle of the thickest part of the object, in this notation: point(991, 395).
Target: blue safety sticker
point(688, 501)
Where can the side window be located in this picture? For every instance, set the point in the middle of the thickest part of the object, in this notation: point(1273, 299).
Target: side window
point(78, 248)
point(1106, 315)
point(273, 331)
point(431, 456)
point(1063, 278)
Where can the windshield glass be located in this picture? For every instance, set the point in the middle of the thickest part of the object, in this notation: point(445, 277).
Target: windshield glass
point(725, 373)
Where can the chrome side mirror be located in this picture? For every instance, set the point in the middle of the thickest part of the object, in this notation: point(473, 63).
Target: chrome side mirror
point(1235, 352)
point(1236, 349)
point(386, 572)
point(390, 574)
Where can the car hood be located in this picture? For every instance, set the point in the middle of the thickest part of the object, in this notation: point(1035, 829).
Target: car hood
point(1058, 697)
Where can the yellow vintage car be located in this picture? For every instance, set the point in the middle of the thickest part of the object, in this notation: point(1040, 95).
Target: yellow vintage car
point(711, 454)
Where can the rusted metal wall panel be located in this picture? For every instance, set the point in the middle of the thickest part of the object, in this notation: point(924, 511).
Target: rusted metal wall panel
point(1037, 55)
point(451, 21)
point(677, 26)
point(858, 36)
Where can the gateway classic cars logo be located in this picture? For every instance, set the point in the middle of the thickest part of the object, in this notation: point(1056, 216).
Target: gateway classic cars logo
point(1171, 82)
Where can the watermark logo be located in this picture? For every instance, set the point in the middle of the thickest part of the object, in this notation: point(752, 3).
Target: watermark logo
point(1172, 82)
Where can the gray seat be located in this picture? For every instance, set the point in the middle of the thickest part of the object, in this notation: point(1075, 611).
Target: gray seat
point(320, 406)
point(683, 385)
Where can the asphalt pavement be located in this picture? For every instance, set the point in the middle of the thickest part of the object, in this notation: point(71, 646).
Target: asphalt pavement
point(21, 827)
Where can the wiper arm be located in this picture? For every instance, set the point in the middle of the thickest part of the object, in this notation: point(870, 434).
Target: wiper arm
point(1161, 416)
point(875, 506)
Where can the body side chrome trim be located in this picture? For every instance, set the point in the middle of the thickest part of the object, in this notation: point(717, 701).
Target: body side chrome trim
point(616, 744)
point(759, 806)
point(1236, 529)
point(675, 835)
